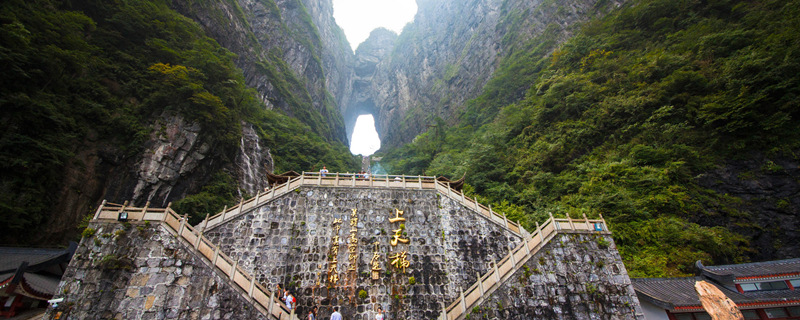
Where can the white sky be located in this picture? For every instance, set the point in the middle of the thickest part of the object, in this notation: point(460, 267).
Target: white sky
point(365, 140)
point(358, 17)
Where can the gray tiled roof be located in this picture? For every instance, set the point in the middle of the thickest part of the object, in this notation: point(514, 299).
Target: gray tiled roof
point(757, 268)
point(670, 291)
point(12, 258)
point(677, 292)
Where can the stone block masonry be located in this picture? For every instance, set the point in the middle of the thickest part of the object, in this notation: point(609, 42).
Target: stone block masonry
point(142, 271)
point(293, 241)
point(574, 276)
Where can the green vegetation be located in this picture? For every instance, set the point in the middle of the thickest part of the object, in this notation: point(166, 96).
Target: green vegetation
point(91, 75)
point(619, 120)
point(362, 294)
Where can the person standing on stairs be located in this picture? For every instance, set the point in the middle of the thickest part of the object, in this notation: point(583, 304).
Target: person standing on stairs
point(336, 315)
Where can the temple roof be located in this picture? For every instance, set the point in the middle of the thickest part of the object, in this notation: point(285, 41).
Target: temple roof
point(12, 258)
point(679, 293)
point(454, 184)
point(755, 269)
point(33, 272)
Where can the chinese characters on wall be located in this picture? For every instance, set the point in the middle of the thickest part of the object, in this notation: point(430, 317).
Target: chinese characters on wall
point(397, 259)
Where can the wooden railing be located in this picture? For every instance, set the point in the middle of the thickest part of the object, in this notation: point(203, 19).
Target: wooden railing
point(359, 181)
point(506, 267)
point(178, 225)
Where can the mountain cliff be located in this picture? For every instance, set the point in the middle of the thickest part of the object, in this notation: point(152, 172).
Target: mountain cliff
point(677, 121)
point(449, 52)
point(135, 101)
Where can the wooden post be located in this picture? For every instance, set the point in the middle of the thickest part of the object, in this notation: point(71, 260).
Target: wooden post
point(527, 249)
point(216, 255)
point(253, 286)
point(463, 200)
point(197, 241)
point(539, 230)
point(556, 225)
point(319, 179)
point(522, 231)
point(255, 202)
point(336, 180)
point(99, 209)
point(505, 220)
point(387, 180)
point(354, 180)
point(271, 300)
point(463, 303)
point(419, 178)
point(183, 224)
point(233, 267)
point(588, 226)
point(273, 193)
point(303, 178)
point(491, 213)
point(444, 312)
point(288, 182)
point(144, 210)
point(496, 272)
point(480, 284)
point(477, 207)
point(291, 314)
point(224, 210)
point(448, 189)
point(605, 225)
point(571, 226)
point(404, 181)
point(513, 260)
point(241, 204)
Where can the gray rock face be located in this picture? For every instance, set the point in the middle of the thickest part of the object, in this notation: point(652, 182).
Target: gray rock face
point(170, 155)
point(448, 54)
point(768, 189)
point(290, 51)
point(145, 273)
point(290, 241)
point(252, 162)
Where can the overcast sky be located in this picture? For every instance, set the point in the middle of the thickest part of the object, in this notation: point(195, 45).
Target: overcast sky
point(358, 18)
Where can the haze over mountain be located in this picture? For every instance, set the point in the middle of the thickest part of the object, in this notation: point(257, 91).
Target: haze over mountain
point(677, 121)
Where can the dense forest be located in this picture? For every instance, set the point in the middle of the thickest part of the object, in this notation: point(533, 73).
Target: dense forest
point(83, 74)
point(626, 118)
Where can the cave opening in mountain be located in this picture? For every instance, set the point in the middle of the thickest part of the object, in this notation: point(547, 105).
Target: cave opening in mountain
point(365, 140)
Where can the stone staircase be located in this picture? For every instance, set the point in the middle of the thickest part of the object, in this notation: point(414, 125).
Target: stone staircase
point(264, 300)
point(506, 267)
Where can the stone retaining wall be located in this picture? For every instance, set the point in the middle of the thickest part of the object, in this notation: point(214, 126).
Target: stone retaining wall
point(289, 241)
point(141, 271)
point(575, 276)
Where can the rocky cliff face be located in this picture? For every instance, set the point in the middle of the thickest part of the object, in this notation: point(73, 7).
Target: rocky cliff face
point(447, 55)
point(291, 51)
point(768, 190)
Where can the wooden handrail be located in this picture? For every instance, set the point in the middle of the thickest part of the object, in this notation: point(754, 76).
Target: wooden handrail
point(510, 263)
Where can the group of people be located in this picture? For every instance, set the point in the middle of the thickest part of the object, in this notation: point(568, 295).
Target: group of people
point(361, 175)
point(288, 298)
